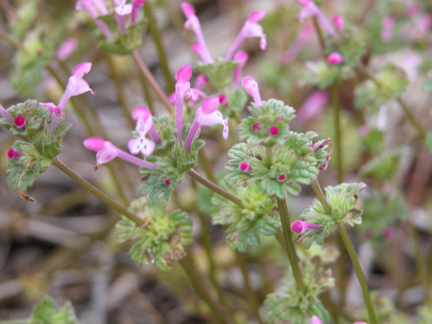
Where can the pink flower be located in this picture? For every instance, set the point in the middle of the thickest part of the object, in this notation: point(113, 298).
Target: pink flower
point(13, 154)
point(387, 25)
point(192, 23)
point(244, 167)
point(364, 130)
point(309, 10)
point(251, 87)
point(301, 227)
point(182, 87)
point(301, 40)
point(312, 107)
point(251, 29)
point(335, 58)
point(388, 233)
point(106, 152)
point(20, 122)
point(207, 115)
point(4, 114)
point(122, 9)
point(144, 126)
point(100, 10)
point(223, 100)
point(201, 81)
point(66, 49)
point(339, 23)
point(315, 320)
point(241, 57)
point(274, 130)
point(136, 5)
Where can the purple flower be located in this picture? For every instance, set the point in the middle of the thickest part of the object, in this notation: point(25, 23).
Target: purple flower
point(136, 5)
point(4, 114)
point(309, 10)
point(181, 89)
point(96, 8)
point(13, 154)
point(192, 23)
point(107, 152)
point(387, 25)
point(207, 115)
point(301, 227)
point(335, 58)
point(122, 9)
point(242, 57)
point(144, 126)
point(301, 40)
point(251, 87)
point(251, 28)
point(66, 49)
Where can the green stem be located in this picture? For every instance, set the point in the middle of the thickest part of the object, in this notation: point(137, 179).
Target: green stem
point(214, 187)
point(157, 38)
point(406, 110)
point(337, 127)
point(206, 166)
point(292, 255)
point(251, 294)
point(147, 94)
point(351, 252)
point(320, 34)
point(151, 80)
point(199, 288)
point(359, 272)
point(107, 200)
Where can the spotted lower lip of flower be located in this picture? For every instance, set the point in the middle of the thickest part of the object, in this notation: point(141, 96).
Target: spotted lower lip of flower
point(250, 29)
point(13, 154)
point(301, 226)
point(192, 23)
point(106, 152)
point(122, 9)
point(145, 123)
point(251, 87)
point(207, 115)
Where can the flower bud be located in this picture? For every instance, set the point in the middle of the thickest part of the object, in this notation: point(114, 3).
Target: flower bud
point(335, 58)
point(244, 167)
point(256, 127)
point(338, 21)
point(274, 130)
point(13, 154)
point(20, 122)
point(301, 226)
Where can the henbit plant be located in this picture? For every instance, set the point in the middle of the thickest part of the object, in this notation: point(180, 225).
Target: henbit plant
point(270, 164)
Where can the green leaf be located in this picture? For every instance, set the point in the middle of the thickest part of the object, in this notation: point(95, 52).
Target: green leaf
point(385, 165)
point(46, 313)
point(125, 44)
point(219, 73)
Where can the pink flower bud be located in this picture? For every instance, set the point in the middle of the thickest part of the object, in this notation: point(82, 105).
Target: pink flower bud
point(13, 154)
point(388, 233)
point(167, 182)
point(274, 130)
point(244, 167)
point(251, 87)
point(315, 320)
point(282, 177)
point(188, 10)
point(201, 81)
point(20, 122)
point(335, 58)
point(95, 144)
point(210, 105)
point(339, 23)
point(223, 100)
point(301, 226)
point(184, 74)
point(172, 98)
point(256, 127)
point(257, 16)
point(67, 48)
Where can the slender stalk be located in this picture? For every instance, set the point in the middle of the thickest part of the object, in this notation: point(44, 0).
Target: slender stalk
point(319, 33)
point(151, 80)
point(147, 94)
point(292, 255)
point(214, 187)
point(157, 38)
point(107, 200)
point(206, 166)
point(199, 288)
point(12, 41)
point(338, 135)
point(359, 272)
point(251, 294)
point(351, 252)
point(406, 110)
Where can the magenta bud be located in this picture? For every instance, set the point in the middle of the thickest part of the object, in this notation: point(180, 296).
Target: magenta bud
point(315, 320)
point(301, 226)
point(20, 122)
point(244, 167)
point(184, 74)
point(210, 105)
point(338, 21)
point(223, 100)
point(95, 144)
point(13, 154)
point(282, 177)
point(188, 10)
point(335, 58)
point(256, 127)
point(167, 182)
point(388, 233)
point(172, 98)
point(274, 130)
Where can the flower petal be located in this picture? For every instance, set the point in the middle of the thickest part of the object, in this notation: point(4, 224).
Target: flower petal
point(82, 69)
point(77, 86)
point(106, 155)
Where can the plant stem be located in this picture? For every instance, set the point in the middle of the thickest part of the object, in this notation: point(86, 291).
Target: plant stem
point(292, 255)
point(157, 38)
point(107, 200)
point(250, 293)
point(337, 127)
point(147, 94)
point(206, 166)
point(201, 290)
point(406, 110)
point(359, 273)
point(319, 33)
point(214, 187)
point(351, 252)
point(151, 80)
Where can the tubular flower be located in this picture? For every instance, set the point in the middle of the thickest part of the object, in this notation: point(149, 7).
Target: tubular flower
point(76, 86)
point(339, 23)
point(207, 115)
point(242, 57)
point(251, 87)
point(66, 49)
point(301, 40)
point(144, 126)
point(312, 107)
point(100, 10)
point(387, 25)
point(136, 5)
point(192, 23)
point(251, 28)
point(301, 227)
point(181, 89)
point(122, 9)
point(4, 114)
point(107, 152)
point(309, 10)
